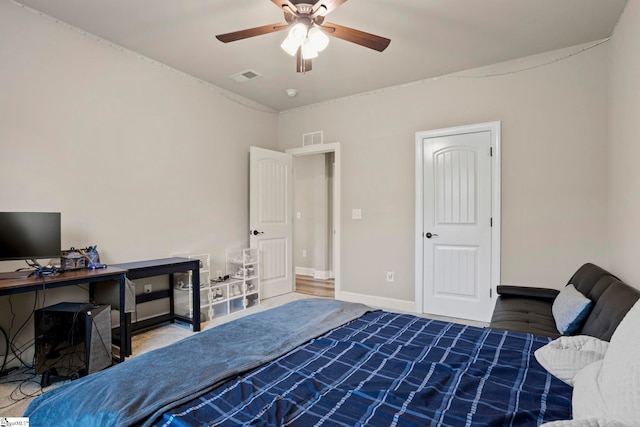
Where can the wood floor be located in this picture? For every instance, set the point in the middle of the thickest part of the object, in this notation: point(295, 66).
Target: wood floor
point(319, 288)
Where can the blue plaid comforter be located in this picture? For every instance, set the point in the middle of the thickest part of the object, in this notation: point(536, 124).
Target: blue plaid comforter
point(387, 369)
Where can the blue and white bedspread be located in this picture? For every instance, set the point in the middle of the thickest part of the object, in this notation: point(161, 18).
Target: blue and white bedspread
point(390, 369)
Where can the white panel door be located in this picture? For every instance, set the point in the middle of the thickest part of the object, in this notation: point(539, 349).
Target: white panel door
point(457, 225)
point(270, 210)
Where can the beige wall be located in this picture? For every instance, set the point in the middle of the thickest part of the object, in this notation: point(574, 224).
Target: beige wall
point(554, 128)
point(624, 147)
point(139, 159)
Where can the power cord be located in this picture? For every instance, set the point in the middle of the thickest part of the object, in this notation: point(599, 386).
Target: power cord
point(17, 352)
point(4, 373)
point(26, 387)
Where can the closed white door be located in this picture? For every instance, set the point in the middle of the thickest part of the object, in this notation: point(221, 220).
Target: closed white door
point(270, 223)
point(457, 186)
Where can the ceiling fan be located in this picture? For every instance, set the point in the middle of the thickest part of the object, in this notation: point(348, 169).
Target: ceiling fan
point(308, 30)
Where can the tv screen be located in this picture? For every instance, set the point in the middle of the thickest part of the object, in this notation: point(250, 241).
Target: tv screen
point(29, 235)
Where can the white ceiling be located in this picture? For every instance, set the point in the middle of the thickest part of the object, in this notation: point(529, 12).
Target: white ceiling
point(429, 38)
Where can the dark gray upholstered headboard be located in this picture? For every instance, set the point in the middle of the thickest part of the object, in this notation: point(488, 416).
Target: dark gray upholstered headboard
point(611, 297)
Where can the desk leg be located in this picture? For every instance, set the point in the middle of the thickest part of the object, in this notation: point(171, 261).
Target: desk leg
point(172, 311)
point(195, 275)
point(124, 326)
point(129, 334)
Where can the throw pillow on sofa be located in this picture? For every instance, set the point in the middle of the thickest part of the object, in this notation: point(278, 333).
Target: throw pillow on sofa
point(570, 309)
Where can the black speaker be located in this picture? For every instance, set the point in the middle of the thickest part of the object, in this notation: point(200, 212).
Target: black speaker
point(71, 340)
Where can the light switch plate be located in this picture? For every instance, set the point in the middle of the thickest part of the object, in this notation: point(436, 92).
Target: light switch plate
point(356, 214)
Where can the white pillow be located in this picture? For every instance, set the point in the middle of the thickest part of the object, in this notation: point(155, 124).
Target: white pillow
point(569, 309)
point(566, 356)
point(610, 388)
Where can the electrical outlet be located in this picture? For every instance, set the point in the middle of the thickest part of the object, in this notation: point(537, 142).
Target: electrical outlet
point(148, 288)
point(304, 253)
point(390, 276)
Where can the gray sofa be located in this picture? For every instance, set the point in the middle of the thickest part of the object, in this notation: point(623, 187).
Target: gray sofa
point(525, 309)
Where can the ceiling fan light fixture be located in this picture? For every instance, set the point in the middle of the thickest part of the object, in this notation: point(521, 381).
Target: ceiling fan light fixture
point(308, 50)
point(290, 46)
point(298, 33)
point(318, 39)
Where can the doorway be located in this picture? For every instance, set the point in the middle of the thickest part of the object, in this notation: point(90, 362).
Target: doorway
point(313, 224)
point(458, 220)
point(316, 216)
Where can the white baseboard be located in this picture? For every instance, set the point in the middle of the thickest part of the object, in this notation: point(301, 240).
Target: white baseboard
point(321, 275)
point(378, 302)
point(316, 274)
point(305, 271)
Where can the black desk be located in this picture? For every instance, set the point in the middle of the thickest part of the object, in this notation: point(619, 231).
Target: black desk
point(72, 278)
point(159, 267)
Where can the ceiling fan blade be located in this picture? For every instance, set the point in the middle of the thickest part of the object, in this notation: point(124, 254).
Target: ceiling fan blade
point(325, 7)
point(356, 36)
point(251, 32)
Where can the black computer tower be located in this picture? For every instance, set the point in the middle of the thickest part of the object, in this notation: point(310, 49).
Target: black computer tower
point(71, 340)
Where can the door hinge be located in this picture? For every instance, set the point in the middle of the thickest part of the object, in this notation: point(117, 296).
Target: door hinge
point(490, 292)
point(491, 151)
point(490, 222)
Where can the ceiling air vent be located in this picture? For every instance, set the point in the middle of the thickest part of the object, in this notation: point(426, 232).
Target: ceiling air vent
point(312, 138)
point(245, 76)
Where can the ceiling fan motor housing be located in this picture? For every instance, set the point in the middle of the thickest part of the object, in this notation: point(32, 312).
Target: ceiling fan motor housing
point(304, 8)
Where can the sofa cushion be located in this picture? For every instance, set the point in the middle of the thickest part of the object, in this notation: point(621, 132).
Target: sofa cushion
point(609, 310)
point(569, 309)
point(592, 280)
point(524, 315)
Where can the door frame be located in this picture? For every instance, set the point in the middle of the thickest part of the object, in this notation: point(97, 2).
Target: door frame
point(494, 129)
point(323, 149)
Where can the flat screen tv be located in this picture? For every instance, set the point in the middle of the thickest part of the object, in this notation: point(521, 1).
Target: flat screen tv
point(29, 235)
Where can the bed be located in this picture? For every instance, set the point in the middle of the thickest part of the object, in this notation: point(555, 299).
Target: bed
point(321, 362)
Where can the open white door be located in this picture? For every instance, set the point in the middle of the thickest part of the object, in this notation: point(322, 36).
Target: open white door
point(270, 222)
